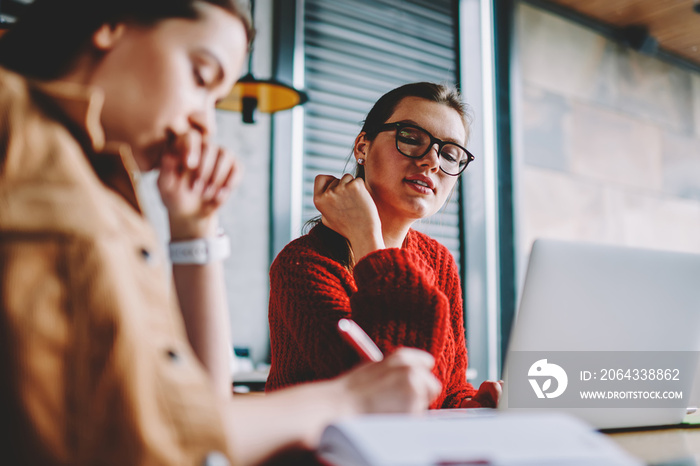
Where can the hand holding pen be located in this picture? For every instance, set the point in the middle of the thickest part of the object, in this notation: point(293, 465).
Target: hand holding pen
point(403, 382)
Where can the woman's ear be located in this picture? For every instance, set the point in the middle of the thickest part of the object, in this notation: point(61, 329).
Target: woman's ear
point(107, 36)
point(361, 147)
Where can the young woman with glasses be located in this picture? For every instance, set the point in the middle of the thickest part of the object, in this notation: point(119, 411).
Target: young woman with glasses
point(363, 261)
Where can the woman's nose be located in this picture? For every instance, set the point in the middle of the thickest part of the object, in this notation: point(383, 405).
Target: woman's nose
point(431, 159)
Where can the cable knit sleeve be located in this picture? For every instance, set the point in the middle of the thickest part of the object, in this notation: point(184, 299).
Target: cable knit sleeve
point(309, 293)
point(458, 389)
point(398, 303)
point(393, 297)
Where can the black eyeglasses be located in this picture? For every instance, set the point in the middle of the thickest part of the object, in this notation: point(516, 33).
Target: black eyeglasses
point(414, 142)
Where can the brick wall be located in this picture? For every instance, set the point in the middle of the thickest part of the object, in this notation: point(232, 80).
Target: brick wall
point(607, 141)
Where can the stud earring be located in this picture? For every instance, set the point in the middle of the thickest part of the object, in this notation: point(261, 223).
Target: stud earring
point(360, 161)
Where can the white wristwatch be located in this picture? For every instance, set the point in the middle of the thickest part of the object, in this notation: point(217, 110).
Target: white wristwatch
point(200, 251)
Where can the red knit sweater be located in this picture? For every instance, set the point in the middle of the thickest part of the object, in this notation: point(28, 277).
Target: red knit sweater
point(400, 297)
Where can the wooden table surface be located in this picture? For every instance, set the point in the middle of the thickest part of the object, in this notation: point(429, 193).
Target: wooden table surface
point(676, 446)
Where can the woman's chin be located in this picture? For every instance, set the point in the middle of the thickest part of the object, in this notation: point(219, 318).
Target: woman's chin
point(417, 212)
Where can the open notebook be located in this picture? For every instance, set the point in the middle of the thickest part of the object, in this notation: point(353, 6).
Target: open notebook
point(455, 437)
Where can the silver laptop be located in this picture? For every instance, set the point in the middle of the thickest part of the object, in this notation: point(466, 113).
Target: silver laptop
point(609, 334)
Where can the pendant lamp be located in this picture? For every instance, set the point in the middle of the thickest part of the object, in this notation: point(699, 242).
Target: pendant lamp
point(265, 95)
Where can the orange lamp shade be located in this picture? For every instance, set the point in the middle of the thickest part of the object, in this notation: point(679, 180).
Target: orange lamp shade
point(267, 96)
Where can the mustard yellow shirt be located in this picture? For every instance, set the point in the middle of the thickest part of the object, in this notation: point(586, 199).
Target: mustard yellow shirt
point(95, 367)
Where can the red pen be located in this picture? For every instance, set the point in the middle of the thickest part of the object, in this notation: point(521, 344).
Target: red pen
point(363, 344)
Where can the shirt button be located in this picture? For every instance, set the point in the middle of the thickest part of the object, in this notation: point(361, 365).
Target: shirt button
point(216, 458)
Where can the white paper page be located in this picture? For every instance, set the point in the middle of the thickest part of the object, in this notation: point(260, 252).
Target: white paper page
point(502, 439)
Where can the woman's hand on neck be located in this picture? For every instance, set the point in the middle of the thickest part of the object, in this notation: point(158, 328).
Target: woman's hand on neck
point(348, 209)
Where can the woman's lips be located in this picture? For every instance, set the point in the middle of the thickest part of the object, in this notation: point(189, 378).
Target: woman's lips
point(419, 186)
point(421, 183)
